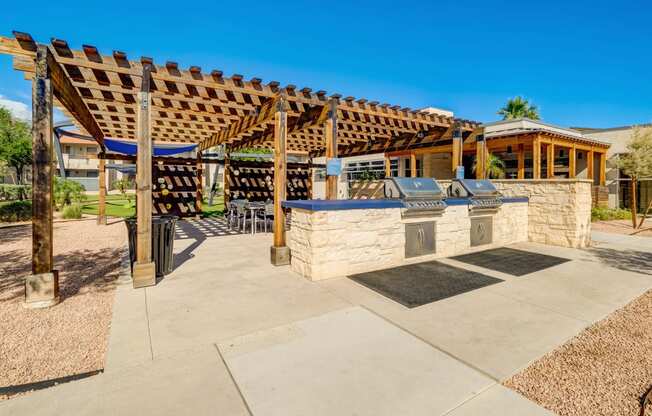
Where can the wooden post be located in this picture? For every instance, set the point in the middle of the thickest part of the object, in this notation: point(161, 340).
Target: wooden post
point(456, 155)
point(480, 157)
point(144, 271)
point(413, 165)
point(280, 253)
point(199, 194)
point(42, 286)
point(550, 158)
point(331, 146)
point(101, 201)
point(225, 178)
point(311, 174)
point(388, 167)
point(572, 162)
point(589, 165)
point(521, 161)
point(536, 158)
point(603, 168)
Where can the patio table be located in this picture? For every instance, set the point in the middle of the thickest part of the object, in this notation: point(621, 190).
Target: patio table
point(253, 207)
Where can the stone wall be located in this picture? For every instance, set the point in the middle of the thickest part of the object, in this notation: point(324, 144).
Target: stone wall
point(327, 244)
point(559, 209)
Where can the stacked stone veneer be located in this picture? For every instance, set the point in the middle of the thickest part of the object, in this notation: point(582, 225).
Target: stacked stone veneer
point(328, 244)
point(559, 209)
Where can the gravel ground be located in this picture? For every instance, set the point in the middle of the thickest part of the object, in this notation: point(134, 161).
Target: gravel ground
point(623, 227)
point(602, 371)
point(71, 337)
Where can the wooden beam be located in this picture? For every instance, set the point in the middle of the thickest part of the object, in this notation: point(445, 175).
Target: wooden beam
point(280, 253)
point(589, 166)
point(550, 159)
point(199, 193)
point(144, 271)
point(603, 169)
point(42, 286)
point(536, 158)
point(330, 131)
point(388, 167)
point(101, 200)
point(456, 157)
point(413, 165)
point(480, 157)
point(572, 162)
point(69, 97)
point(521, 161)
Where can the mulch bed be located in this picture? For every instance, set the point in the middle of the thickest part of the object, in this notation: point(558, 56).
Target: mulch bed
point(71, 337)
point(604, 370)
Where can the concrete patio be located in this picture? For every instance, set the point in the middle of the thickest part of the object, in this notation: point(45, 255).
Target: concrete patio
point(228, 333)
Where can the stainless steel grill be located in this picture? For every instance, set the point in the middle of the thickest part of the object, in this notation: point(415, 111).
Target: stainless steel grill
point(482, 193)
point(421, 197)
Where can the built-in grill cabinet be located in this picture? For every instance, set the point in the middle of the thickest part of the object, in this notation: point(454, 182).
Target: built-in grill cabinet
point(483, 195)
point(421, 197)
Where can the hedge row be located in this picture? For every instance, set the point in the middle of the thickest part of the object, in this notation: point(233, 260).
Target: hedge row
point(16, 211)
point(15, 192)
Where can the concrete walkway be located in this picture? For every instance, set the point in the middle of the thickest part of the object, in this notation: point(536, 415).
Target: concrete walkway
point(229, 334)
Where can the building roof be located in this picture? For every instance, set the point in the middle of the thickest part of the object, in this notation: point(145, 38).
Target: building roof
point(524, 126)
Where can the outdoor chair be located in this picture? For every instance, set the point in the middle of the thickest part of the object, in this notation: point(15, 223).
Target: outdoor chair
point(267, 214)
point(236, 209)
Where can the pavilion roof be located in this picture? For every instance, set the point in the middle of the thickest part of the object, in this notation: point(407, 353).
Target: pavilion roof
point(190, 105)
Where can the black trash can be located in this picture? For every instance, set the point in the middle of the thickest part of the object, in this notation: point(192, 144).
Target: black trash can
point(163, 227)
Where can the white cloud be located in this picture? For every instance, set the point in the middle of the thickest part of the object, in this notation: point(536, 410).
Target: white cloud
point(19, 109)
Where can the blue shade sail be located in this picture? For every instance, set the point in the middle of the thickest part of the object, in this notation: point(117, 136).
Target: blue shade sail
point(127, 148)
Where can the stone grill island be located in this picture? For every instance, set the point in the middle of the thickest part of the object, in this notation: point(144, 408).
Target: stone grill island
point(417, 221)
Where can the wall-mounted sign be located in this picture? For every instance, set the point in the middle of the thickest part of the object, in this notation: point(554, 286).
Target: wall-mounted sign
point(334, 167)
point(459, 172)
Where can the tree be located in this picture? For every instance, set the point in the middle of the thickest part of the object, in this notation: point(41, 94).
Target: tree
point(123, 185)
point(67, 191)
point(637, 164)
point(519, 107)
point(15, 143)
point(494, 167)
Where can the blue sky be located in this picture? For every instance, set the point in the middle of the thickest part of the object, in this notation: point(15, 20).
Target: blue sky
point(583, 63)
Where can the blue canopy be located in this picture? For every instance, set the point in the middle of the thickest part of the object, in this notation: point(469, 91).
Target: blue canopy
point(130, 148)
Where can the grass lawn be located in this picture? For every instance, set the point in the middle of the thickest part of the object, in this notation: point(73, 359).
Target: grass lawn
point(117, 206)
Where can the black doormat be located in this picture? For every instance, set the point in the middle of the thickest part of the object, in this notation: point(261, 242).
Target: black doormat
point(511, 261)
point(418, 284)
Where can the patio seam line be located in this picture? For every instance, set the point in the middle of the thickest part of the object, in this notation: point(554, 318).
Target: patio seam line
point(149, 331)
point(475, 396)
point(235, 383)
point(479, 370)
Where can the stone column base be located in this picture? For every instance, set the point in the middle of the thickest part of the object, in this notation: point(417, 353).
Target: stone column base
point(42, 290)
point(144, 274)
point(280, 256)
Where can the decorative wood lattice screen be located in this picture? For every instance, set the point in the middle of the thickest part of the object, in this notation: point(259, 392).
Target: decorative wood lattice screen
point(174, 190)
point(254, 180)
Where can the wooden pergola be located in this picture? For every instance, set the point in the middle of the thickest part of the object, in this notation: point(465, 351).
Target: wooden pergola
point(114, 96)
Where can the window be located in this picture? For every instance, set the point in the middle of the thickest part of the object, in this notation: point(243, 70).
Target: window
point(91, 149)
point(372, 169)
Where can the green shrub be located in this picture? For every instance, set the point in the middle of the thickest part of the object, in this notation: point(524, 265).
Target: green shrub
point(16, 211)
point(72, 212)
point(67, 191)
point(609, 214)
point(9, 192)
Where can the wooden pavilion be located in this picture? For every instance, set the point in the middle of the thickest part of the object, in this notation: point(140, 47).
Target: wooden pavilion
point(113, 96)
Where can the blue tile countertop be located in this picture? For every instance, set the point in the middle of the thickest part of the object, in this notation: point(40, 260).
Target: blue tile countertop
point(345, 204)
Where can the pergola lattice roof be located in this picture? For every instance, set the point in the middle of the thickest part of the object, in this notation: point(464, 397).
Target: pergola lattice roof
point(210, 109)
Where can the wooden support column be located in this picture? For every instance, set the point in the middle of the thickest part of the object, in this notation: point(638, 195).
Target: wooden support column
point(536, 158)
point(413, 165)
point(199, 193)
point(388, 167)
point(101, 200)
point(603, 168)
point(144, 271)
point(572, 162)
point(280, 253)
point(456, 155)
point(331, 146)
point(225, 178)
point(589, 166)
point(42, 286)
point(550, 159)
point(521, 161)
point(480, 157)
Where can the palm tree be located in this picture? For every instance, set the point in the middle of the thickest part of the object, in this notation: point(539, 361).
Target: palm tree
point(494, 167)
point(519, 107)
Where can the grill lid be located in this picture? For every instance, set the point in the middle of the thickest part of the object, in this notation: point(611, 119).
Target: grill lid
point(473, 188)
point(413, 188)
